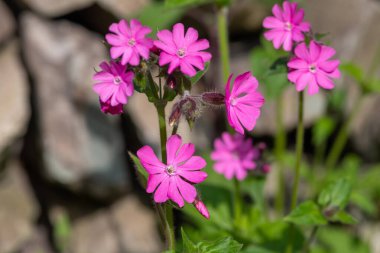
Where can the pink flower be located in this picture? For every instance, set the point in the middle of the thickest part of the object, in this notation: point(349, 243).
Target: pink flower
point(201, 207)
point(106, 107)
point(234, 156)
point(180, 50)
point(129, 41)
point(286, 26)
point(175, 179)
point(312, 67)
point(113, 84)
point(243, 103)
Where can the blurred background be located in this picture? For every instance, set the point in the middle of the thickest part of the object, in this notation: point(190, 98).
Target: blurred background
point(66, 183)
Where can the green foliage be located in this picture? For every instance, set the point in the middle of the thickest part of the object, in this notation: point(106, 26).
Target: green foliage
point(368, 83)
point(142, 174)
point(227, 245)
point(269, 67)
point(144, 83)
point(307, 213)
point(199, 74)
point(323, 129)
point(62, 230)
point(336, 194)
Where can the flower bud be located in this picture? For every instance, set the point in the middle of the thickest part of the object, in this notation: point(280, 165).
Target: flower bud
point(106, 107)
point(213, 98)
point(171, 82)
point(201, 207)
point(266, 168)
point(175, 115)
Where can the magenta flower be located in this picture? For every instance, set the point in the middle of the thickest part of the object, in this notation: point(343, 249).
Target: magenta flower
point(113, 83)
point(312, 67)
point(180, 50)
point(243, 103)
point(286, 26)
point(106, 107)
point(129, 41)
point(234, 156)
point(175, 179)
point(201, 207)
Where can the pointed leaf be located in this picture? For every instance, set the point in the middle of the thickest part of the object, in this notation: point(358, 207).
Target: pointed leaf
point(307, 213)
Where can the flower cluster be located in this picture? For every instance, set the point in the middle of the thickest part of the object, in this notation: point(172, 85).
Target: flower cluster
point(310, 66)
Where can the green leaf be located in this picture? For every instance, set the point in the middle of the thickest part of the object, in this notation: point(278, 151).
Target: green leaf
point(225, 245)
point(307, 213)
point(353, 70)
point(322, 130)
point(343, 217)
point(143, 175)
point(199, 74)
point(144, 83)
point(336, 194)
point(159, 17)
point(257, 249)
point(188, 245)
point(169, 93)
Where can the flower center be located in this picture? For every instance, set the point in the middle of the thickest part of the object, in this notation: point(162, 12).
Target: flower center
point(117, 80)
point(132, 42)
point(234, 101)
point(288, 26)
point(312, 68)
point(170, 170)
point(181, 52)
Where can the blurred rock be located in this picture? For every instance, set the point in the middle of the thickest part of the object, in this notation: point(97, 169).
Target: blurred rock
point(18, 209)
point(247, 15)
point(38, 242)
point(7, 22)
point(127, 226)
point(124, 8)
point(82, 148)
point(14, 110)
point(53, 8)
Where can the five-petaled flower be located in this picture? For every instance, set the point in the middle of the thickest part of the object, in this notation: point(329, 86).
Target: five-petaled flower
point(234, 156)
point(182, 50)
point(173, 180)
point(106, 107)
point(128, 41)
point(286, 25)
point(243, 102)
point(113, 84)
point(313, 68)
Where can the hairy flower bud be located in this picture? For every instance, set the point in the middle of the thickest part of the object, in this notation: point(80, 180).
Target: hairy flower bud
point(201, 207)
point(213, 98)
point(175, 115)
point(171, 82)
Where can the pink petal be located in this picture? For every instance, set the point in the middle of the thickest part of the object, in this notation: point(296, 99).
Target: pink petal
point(193, 176)
point(114, 40)
point(288, 42)
point(187, 68)
point(235, 122)
point(179, 35)
point(165, 47)
point(279, 40)
point(147, 156)
point(206, 56)
point(184, 153)
point(126, 56)
point(287, 14)
point(272, 22)
point(247, 115)
point(187, 191)
point(173, 64)
point(313, 86)
point(161, 194)
point(143, 51)
point(277, 12)
point(228, 89)
point(191, 36)
point(329, 66)
point(297, 63)
point(294, 75)
point(298, 16)
point(193, 163)
point(304, 26)
point(315, 50)
point(172, 146)
point(135, 59)
point(166, 58)
point(142, 32)
point(240, 173)
point(135, 26)
point(303, 81)
point(166, 37)
point(154, 180)
point(116, 52)
point(198, 46)
point(302, 52)
point(195, 61)
point(124, 28)
point(121, 97)
point(326, 53)
point(334, 74)
point(272, 34)
point(174, 194)
point(324, 81)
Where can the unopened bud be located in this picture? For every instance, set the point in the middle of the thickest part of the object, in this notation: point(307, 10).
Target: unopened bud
point(171, 82)
point(213, 98)
point(189, 107)
point(266, 168)
point(175, 115)
point(201, 207)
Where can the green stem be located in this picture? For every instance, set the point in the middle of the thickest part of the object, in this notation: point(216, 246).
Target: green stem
point(342, 137)
point(223, 42)
point(167, 210)
point(308, 243)
point(280, 146)
point(299, 150)
point(237, 202)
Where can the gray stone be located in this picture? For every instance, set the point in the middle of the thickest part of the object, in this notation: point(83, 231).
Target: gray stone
point(53, 8)
point(247, 15)
point(124, 8)
point(7, 22)
point(82, 148)
point(14, 109)
point(127, 226)
point(18, 209)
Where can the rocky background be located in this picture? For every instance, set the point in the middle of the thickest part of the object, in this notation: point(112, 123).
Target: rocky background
point(66, 184)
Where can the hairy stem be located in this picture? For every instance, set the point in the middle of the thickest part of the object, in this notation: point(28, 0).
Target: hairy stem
point(280, 146)
point(167, 209)
point(299, 151)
